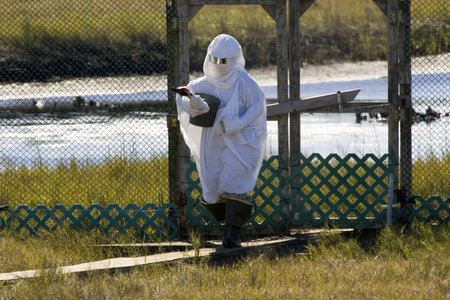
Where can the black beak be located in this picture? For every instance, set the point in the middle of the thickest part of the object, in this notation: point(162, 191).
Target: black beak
point(181, 92)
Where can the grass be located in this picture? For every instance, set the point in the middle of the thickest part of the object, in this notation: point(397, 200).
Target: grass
point(117, 180)
point(123, 181)
point(406, 263)
point(431, 176)
point(60, 38)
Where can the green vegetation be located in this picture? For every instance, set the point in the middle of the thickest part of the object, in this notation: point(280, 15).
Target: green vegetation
point(123, 181)
point(425, 184)
point(330, 30)
point(41, 40)
point(411, 263)
point(118, 180)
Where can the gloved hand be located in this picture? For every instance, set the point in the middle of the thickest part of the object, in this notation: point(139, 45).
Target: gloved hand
point(197, 103)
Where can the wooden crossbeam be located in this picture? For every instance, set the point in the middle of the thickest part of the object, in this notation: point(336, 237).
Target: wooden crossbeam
point(231, 2)
point(310, 103)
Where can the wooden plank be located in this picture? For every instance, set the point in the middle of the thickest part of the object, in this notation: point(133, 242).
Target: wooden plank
point(356, 106)
point(113, 264)
point(127, 263)
point(231, 2)
point(294, 72)
point(310, 103)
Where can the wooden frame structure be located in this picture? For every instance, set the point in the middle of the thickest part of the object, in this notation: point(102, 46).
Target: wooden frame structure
point(180, 12)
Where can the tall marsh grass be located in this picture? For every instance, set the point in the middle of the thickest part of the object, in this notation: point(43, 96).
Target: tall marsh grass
point(117, 180)
point(396, 263)
point(123, 181)
point(431, 176)
point(46, 39)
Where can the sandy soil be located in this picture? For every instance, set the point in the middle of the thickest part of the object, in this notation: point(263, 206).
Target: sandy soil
point(340, 71)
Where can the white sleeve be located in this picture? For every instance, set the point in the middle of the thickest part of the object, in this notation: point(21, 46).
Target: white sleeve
point(256, 102)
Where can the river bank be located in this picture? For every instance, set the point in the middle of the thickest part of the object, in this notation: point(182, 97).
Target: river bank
point(333, 72)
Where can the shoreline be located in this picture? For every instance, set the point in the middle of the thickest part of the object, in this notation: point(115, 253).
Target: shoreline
point(348, 70)
point(335, 71)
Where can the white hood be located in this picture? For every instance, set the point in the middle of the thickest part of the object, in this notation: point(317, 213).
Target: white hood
point(224, 75)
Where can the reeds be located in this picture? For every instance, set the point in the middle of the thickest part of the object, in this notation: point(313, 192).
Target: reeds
point(122, 181)
point(410, 263)
point(117, 180)
point(101, 38)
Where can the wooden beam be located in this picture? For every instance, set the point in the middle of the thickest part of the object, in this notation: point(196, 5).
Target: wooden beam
point(382, 4)
point(310, 103)
point(193, 10)
point(304, 5)
point(356, 106)
point(270, 10)
point(231, 2)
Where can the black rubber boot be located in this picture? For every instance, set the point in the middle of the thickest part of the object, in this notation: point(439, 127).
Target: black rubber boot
point(232, 237)
point(216, 209)
point(238, 213)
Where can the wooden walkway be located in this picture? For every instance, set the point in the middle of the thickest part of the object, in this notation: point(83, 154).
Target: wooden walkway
point(211, 249)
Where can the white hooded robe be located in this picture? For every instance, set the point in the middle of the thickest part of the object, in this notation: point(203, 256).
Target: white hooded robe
point(228, 155)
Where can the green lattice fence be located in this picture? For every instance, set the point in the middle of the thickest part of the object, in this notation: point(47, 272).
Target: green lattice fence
point(435, 210)
point(270, 210)
point(348, 191)
point(148, 221)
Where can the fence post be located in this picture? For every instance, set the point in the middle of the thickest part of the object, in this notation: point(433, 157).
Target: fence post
point(178, 74)
point(282, 92)
point(294, 72)
point(405, 97)
point(393, 118)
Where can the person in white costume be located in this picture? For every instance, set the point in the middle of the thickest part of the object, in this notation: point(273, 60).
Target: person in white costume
point(229, 154)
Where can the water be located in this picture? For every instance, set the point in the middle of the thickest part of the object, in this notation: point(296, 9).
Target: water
point(95, 137)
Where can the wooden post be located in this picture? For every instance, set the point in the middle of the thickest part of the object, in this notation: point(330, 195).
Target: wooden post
point(171, 104)
point(294, 72)
point(296, 9)
point(177, 39)
point(393, 118)
point(405, 97)
point(282, 80)
point(282, 92)
point(279, 14)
